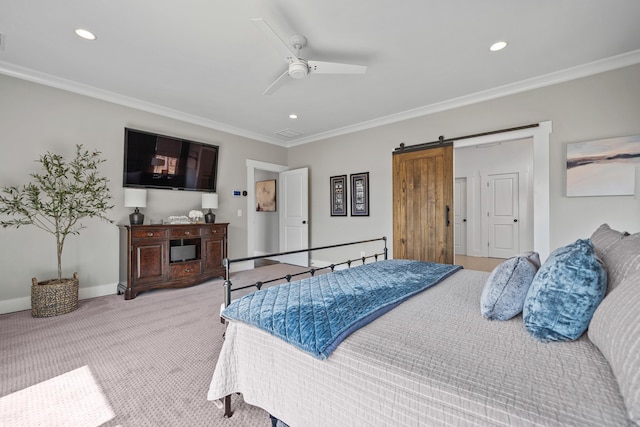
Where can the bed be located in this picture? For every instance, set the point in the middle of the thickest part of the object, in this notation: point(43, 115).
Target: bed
point(434, 360)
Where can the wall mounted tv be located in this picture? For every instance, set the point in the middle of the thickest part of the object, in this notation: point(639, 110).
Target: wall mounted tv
point(160, 161)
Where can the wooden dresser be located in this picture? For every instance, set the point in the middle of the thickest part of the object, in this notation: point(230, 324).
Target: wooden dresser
point(170, 256)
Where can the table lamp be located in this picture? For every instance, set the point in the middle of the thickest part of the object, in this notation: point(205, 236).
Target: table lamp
point(210, 201)
point(135, 198)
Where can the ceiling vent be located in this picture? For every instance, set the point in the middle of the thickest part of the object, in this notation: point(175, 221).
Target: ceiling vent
point(289, 133)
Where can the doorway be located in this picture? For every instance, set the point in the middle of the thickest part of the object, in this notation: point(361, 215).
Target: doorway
point(537, 202)
point(290, 182)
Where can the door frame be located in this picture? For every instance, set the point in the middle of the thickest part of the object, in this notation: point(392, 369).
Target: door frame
point(541, 186)
point(252, 165)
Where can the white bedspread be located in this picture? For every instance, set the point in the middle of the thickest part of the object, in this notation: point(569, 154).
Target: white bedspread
point(434, 360)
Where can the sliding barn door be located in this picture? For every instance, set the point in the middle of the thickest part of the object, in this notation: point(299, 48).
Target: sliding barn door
point(423, 205)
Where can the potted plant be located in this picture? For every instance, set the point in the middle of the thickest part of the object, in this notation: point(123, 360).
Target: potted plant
point(58, 198)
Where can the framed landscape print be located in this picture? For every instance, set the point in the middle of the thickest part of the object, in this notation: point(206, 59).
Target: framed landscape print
point(338, 187)
point(604, 167)
point(360, 194)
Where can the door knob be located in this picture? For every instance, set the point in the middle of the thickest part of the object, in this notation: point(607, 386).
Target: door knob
point(515, 220)
point(304, 222)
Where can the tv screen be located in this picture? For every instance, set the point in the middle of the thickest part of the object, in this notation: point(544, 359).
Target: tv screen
point(159, 161)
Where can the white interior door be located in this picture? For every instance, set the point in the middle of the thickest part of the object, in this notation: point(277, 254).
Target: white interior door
point(460, 216)
point(503, 202)
point(293, 189)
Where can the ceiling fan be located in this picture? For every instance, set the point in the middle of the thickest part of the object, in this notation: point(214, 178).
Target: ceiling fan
point(299, 68)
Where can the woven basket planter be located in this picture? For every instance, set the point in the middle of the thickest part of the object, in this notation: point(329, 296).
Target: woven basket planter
point(53, 299)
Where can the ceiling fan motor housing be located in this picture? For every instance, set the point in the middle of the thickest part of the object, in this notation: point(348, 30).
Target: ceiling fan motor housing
point(298, 70)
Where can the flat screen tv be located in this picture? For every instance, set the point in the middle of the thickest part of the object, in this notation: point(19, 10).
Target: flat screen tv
point(159, 161)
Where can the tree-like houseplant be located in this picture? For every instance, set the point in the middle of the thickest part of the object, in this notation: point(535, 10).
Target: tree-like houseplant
point(58, 198)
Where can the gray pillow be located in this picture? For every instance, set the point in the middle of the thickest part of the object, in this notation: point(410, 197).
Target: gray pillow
point(604, 237)
point(506, 288)
point(622, 259)
point(615, 330)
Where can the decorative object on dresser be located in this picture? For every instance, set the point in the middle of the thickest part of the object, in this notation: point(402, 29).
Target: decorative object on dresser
point(135, 198)
point(170, 256)
point(209, 201)
point(62, 195)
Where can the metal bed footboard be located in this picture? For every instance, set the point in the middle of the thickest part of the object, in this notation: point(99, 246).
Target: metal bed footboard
point(228, 286)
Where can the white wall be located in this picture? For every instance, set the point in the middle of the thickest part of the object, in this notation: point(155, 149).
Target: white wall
point(599, 106)
point(35, 119)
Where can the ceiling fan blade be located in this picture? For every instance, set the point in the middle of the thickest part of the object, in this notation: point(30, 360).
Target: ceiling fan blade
point(321, 67)
point(281, 45)
point(280, 81)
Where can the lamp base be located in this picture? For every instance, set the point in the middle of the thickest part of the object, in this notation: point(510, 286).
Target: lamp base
point(209, 217)
point(136, 218)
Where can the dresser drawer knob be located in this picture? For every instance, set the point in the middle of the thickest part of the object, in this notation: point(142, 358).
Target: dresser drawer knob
point(187, 270)
point(149, 234)
point(187, 232)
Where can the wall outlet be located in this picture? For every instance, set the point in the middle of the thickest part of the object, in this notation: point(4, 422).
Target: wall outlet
point(239, 212)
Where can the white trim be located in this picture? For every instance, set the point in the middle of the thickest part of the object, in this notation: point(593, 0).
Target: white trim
point(24, 303)
point(541, 190)
point(600, 66)
point(252, 165)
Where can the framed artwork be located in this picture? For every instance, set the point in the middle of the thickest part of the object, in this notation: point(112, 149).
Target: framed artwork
point(360, 194)
point(604, 167)
point(338, 188)
point(266, 196)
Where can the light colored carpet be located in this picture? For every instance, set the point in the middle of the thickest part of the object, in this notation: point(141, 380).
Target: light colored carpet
point(142, 362)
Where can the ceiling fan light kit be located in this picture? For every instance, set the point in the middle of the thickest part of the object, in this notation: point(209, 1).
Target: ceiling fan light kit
point(298, 70)
point(298, 67)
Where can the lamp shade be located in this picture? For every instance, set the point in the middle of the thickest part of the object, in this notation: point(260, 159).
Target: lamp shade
point(135, 198)
point(209, 201)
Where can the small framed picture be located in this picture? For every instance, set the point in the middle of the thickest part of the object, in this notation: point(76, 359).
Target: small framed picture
point(338, 188)
point(360, 194)
point(266, 196)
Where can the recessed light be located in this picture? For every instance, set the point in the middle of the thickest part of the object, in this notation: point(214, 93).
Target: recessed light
point(85, 34)
point(293, 116)
point(498, 46)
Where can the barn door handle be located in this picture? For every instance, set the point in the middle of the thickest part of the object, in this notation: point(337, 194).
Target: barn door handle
point(447, 215)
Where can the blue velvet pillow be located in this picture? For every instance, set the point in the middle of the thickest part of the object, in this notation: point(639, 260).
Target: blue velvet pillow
point(565, 292)
point(506, 288)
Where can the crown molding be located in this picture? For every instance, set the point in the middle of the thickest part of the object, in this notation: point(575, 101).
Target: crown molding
point(596, 67)
point(116, 98)
point(568, 74)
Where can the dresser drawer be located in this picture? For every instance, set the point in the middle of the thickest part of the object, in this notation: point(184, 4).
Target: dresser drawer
point(214, 231)
point(147, 233)
point(184, 232)
point(185, 269)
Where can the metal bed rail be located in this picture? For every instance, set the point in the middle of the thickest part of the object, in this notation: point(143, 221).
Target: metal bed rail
point(228, 286)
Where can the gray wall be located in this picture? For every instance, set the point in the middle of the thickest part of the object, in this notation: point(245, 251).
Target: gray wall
point(35, 119)
point(599, 106)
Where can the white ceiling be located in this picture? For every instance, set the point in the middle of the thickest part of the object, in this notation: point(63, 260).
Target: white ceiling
point(203, 61)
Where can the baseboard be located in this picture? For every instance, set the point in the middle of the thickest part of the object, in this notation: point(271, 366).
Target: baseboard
point(24, 303)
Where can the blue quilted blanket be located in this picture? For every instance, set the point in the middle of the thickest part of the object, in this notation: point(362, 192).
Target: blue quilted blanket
point(317, 313)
